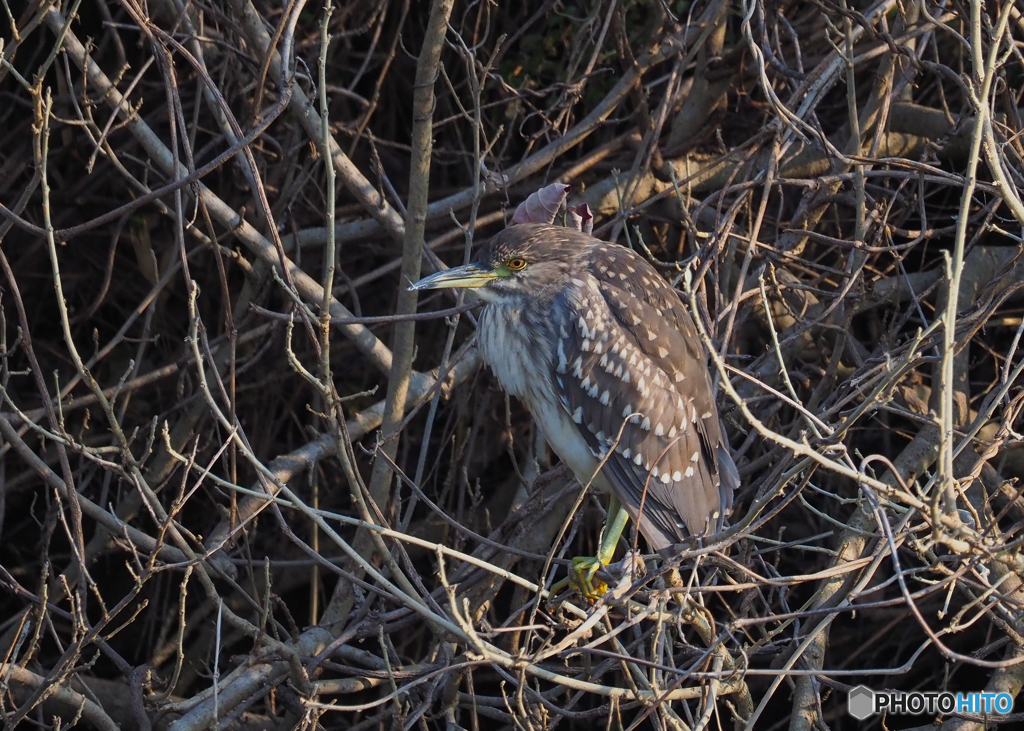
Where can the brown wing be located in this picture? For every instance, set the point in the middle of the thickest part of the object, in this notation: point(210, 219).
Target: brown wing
point(632, 375)
point(686, 360)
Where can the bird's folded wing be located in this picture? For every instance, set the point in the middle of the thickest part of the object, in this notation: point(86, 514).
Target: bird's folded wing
point(628, 282)
point(628, 380)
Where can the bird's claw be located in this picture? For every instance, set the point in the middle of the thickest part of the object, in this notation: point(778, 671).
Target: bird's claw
point(583, 577)
point(589, 573)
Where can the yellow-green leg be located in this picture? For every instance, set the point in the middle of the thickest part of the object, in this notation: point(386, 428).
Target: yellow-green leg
point(584, 567)
point(618, 517)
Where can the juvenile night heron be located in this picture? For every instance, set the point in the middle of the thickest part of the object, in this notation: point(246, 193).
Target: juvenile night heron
point(607, 359)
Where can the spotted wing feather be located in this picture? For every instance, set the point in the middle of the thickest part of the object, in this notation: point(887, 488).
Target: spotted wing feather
point(624, 278)
point(632, 375)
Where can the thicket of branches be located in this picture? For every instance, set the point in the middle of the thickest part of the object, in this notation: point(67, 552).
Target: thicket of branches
point(231, 498)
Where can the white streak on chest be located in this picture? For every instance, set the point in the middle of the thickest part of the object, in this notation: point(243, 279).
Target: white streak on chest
point(513, 355)
point(506, 346)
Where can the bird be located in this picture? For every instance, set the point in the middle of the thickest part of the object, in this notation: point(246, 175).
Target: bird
point(602, 351)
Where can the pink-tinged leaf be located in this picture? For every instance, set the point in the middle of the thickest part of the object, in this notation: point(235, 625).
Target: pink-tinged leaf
point(541, 206)
point(581, 218)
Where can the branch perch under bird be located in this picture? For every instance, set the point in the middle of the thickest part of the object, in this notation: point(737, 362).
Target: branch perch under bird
point(606, 357)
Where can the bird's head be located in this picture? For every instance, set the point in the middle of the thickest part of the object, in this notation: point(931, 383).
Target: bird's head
point(528, 260)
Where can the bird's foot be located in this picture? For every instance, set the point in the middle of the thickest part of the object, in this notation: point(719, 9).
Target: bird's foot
point(590, 575)
point(584, 579)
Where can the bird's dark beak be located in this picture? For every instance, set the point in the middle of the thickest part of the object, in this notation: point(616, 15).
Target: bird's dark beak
point(471, 275)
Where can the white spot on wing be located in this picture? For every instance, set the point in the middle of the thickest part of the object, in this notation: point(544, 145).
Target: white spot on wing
point(605, 396)
point(659, 430)
point(577, 415)
point(677, 475)
point(646, 423)
point(665, 477)
point(562, 362)
point(689, 471)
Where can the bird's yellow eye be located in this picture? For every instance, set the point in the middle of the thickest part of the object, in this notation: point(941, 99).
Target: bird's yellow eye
point(516, 263)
